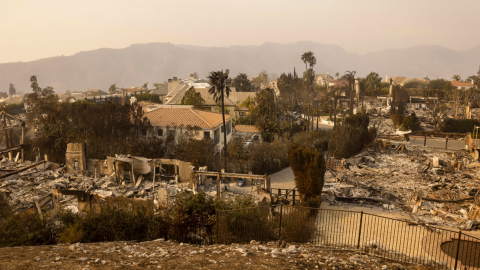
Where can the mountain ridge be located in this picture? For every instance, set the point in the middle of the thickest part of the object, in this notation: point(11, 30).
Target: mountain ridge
point(156, 62)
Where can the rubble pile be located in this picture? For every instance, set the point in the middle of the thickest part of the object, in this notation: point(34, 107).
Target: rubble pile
point(162, 254)
point(436, 188)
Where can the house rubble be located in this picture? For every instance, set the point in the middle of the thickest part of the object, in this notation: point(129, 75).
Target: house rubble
point(435, 187)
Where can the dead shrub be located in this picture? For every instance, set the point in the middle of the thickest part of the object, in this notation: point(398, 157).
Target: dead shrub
point(298, 224)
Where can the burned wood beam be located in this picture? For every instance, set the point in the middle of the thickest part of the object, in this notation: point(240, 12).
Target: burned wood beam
point(23, 169)
point(14, 148)
point(440, 200)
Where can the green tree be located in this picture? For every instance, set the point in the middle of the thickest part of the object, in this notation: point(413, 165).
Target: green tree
point(145, 86)
point(11, 90)
point(410, 122)
point(261, 81)
point(157, 85)
point(220, 82)
point(372, 84)
point(68, 93)
point(149, 97)
point(112, 89)
point(194, 98)
point(457, 78)
point(242, 83)
point(40, 104)
point(309, 58)
point(350, 77)
point(248, 103)
point(308, 167)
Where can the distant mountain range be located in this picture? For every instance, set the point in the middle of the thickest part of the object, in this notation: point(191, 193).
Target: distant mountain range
point(156, 62)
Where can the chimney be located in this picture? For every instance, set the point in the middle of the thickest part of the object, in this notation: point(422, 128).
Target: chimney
point(386, 78)
point(170, 85)
point(192, 77)
point(175, 82)
point(123, 96)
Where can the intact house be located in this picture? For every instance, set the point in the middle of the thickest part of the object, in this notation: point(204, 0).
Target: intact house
point(175, 121)
point(230, 103)
point(249, 133)
point(324, 79)
point(462, 85)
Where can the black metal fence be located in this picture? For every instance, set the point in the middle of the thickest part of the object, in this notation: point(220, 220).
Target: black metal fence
point(287, 194)
point(399, 240)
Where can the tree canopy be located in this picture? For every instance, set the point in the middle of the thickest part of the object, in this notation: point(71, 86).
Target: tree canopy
point(194, 98)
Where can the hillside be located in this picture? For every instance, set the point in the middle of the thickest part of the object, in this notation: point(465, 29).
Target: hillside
point(156, 62)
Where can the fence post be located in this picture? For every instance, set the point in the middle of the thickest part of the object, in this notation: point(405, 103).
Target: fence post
point(360, 230)
point(280, 230)
point(293, 201)
point(425, 141)
point(216, 215)
point(458, 249)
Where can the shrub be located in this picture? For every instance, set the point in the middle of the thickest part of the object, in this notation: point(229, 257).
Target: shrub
point(121, 221)
point(410, 123)
point(349, 138)
point(298, 225)
point(192, 218)
point(27, 230)
point(308, 166)
point(459, 126)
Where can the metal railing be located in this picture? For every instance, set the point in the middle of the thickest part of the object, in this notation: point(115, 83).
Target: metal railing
point(399, 240)
point(287, 194)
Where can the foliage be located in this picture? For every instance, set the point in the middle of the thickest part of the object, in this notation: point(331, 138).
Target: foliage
point(190, 212)
point(440, 84)
point(242, 83)
point(410, 122)
point(11, 90)
point(148, 97)
point(267, 158)
point(437, 113)
point(309, 58)
point(15, 108)
point(261, 81)
point(350, 137)
point(317, 139)
point(309, 167)
point(397, 118)
point(416, 84)
point(112, 89)
point(199, 152)
point(96, 124)
point(194, 98)
point(41, 104)
point(350, 77)
point(459, 126)
point(27, 229)
point(258, 158)
point(220, 88)
point(372, 84)
point(298, 225)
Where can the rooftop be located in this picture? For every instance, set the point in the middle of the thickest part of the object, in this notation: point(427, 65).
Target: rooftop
point(183, 117)
point(246, 128)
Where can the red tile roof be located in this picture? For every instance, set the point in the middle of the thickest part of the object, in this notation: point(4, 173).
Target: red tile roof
point(462, 84)
point(183, 117)
point(246, 128)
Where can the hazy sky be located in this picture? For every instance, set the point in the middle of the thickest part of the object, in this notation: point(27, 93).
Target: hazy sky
point(37, 29)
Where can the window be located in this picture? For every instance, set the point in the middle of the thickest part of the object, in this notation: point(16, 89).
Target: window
point(229, 127)
point(206, 134)
point(223, 130)
point(255, 138)
point(160, 132)
point(75, 164)
point(217, 136)
point(242, 113)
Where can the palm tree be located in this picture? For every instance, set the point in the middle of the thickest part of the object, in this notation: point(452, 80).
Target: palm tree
point(248, 103)
point(220, 88)
point(309, 58)
point(350, 77)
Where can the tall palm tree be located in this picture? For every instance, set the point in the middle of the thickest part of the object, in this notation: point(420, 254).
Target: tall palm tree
point(220, 87)
point(350, 77)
